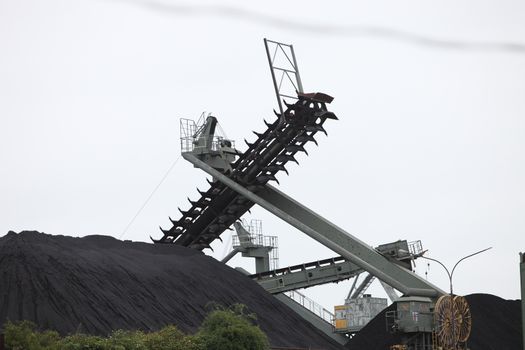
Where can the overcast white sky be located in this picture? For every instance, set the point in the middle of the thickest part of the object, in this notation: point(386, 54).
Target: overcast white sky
point(430, 142)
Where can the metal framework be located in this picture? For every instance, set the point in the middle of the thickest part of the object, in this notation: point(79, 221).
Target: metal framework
point(241, 180)
point(327, 234)
point(326, 271)
point(220, 206)
point(251, 242)
point(311, 305)
point(285, 72)
point(306, 275)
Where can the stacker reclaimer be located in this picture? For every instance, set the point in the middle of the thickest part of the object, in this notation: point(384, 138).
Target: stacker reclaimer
point(425, 316)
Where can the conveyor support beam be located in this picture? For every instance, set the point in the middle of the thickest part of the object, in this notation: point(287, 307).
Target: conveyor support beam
point(328, 234)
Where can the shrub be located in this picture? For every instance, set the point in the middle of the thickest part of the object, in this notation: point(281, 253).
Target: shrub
point(22, 335)
point(81, 342)
point(126, 340)
point(232, 329)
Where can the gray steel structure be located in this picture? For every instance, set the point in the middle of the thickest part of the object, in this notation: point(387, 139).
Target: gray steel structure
point(325, 271)
point(220, 206)
point(312, 318)
point(289, 71)
point(306, 275)
point(239, 185)
point(360, 311)
point(248, 248)
point(328, 234)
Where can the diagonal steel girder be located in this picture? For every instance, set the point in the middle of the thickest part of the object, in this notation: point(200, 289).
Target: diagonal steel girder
point(328, 234)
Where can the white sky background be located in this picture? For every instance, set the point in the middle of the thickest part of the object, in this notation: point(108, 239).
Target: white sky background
point(430, 142)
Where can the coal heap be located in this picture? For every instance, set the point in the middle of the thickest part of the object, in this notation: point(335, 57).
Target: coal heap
point(97, 284)
point(496, 325)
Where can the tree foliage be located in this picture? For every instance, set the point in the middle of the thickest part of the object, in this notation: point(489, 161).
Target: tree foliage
point(232, 329)
point(23, 336)
point(223, 328)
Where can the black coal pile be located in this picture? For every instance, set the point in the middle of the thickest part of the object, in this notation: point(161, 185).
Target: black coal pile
point(496, 325)
point(97, 284)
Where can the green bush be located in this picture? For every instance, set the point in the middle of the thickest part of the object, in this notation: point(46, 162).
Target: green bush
point(171, 338)
point(222, 329)
point(232, 329)
point(22, 336)
point(81, 342)
point(126, 340)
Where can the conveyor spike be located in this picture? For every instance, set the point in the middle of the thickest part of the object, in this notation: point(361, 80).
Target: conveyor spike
point(305, 137)
point(286, 158)
point(326, 114)
point(276, 167)
point(315, 127)
point(264, 158)
point(201, 246)
point(266, 177)
point(201, 203)
point(288, 105)
point(296, 148)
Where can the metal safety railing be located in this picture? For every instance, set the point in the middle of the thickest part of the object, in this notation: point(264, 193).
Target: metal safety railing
point(260, 240)
point(189, 130)
point(311, 305)
point(257, 240)
point(415, 247)
point(273, 149)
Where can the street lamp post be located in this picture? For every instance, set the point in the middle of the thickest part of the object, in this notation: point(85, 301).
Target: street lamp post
point(450, 274)
point(450, 309)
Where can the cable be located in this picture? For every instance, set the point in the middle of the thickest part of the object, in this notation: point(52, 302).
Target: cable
point(185, 9)
point(149, 197)
point(222, 132)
